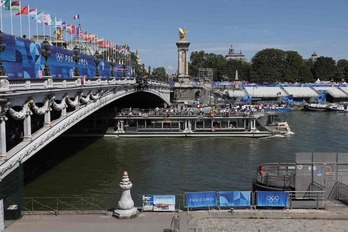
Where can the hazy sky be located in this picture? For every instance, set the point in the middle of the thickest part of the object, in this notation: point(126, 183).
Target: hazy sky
point(151, 26)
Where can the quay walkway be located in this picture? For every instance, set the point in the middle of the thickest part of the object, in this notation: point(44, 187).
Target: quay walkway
point(333, 218)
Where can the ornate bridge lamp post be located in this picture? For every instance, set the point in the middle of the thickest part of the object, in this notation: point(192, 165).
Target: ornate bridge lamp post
point(112, 64)
point(76, 58)
point(46, 52)
point(97, 61)
point(124, 67)
point(4, 84)
point(2, 49)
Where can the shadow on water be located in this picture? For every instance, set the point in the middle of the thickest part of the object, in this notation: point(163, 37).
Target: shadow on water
point(53, 154)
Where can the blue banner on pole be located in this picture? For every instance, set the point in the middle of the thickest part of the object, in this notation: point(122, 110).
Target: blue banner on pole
point(273, 199)
point(201, 199)
point(235, 198)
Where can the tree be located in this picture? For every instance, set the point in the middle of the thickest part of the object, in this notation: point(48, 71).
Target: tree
point(268, 66)
point(325, 69)
point(342, 66)
point(159, 74)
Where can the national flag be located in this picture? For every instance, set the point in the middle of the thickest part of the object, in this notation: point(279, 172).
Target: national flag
point(73, 29)
point(39, 17)
point(58, 23)
point(63, 26)
point(15, 5)
point(33, 13)
point(46, 19)
point(53, 21)
point(2, 3)
point(7, 4)
point(76, 16)
point(69, 28)
point(24, 11)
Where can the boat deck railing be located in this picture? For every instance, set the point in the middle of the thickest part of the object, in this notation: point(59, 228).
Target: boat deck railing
point(184, 114)
point(276, 175)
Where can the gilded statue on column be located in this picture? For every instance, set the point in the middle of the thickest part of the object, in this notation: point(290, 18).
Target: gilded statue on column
point(59, 34)
point(182, 33)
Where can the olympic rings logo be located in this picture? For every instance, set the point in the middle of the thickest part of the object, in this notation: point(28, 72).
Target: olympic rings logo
point(272, 198)
point(59, 57)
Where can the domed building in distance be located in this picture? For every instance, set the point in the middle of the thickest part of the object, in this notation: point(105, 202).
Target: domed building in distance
point(232, 55)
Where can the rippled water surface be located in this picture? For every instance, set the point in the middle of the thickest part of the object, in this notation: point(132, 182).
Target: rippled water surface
point(176, 165)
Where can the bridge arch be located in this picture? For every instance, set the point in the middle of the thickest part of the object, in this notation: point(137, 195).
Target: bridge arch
point(82, 102)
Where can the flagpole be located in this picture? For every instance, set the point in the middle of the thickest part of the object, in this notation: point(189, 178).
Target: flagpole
point(28, 22)
point(11, 17)
point(2, 29)
point(20, 19)
point(37, 28)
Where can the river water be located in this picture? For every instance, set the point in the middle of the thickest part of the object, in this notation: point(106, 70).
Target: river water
point(93, 167)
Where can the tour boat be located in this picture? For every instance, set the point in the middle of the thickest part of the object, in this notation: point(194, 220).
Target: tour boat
point(177, 124)
point(315, 107)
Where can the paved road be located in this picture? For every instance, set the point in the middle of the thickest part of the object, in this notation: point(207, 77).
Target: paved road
point(331, 219)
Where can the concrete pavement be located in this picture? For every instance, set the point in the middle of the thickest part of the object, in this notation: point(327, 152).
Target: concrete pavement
point(333, 218)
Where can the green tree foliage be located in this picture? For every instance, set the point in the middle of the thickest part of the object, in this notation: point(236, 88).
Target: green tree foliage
point(342, 68)
point(159, 74)
point(325, 69)
point(206, 60)
point(221, 67)
point(268, 66)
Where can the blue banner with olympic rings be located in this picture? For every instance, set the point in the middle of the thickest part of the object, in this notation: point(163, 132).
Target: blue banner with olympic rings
point(273, 199)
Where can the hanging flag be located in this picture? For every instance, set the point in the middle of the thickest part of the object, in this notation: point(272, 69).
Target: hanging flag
point(40, 17)
point(58, 23)
point(46, 19)
point(7, 4)
point(76, 16)
point(2, 3)
point(53, 21)
point(73, 29)
point(24, 11)
point(15, 5)
point(64, 26)
point(33, 13)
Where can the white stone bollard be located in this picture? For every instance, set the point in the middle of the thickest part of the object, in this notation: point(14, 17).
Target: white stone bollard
point(125, 208)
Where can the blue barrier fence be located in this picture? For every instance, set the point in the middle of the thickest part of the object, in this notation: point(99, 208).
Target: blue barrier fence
point(241, 199)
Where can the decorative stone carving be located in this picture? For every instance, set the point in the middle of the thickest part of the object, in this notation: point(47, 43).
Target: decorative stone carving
point(20, 115)
point(126, 207)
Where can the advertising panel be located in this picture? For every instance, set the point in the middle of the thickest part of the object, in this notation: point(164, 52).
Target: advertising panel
point(158, 203)
point(273, 199)
point(147, 202)
point(235, 198)
point(163, 203)
point(201, 199)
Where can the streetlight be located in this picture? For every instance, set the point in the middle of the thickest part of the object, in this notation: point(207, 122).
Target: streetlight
point(76, 58)
point(46, 52)
point(2, 48)
point(97, 61)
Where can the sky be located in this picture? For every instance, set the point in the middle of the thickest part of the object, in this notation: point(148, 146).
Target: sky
point(151, 26)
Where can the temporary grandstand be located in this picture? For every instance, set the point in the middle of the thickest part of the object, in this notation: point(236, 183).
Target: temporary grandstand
point(299, 92)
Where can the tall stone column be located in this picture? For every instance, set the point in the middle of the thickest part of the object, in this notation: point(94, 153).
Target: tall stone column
point(125, 208)
point(183, 75)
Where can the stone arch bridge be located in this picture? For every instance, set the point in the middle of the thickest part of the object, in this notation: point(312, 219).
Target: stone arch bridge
point(72, 99)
